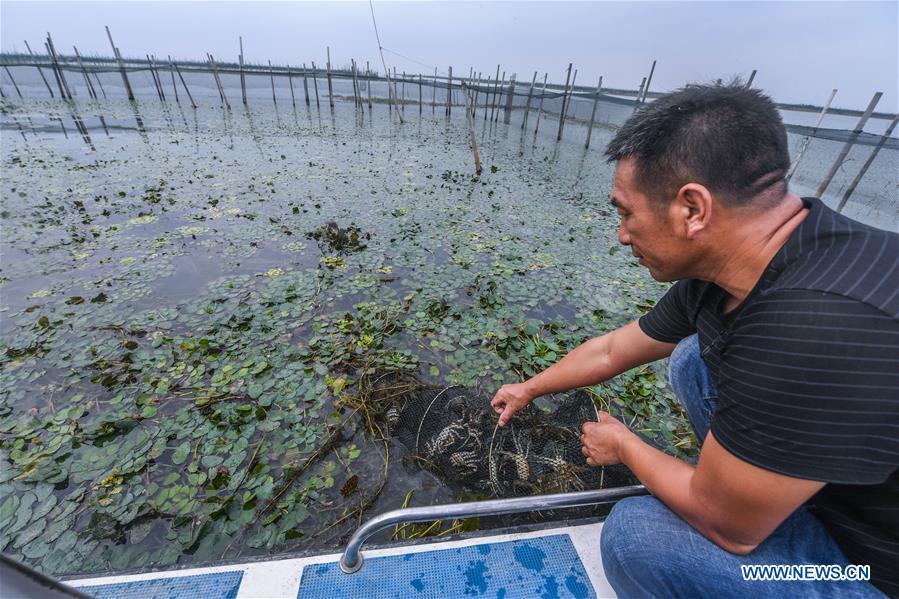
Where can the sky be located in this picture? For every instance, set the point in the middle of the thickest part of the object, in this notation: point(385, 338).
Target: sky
point(801, 49)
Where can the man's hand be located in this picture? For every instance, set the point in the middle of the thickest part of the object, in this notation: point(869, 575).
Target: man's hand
point(509, 399)
point(602, 441)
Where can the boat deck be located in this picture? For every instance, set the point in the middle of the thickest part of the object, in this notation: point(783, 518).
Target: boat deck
point(555, 562)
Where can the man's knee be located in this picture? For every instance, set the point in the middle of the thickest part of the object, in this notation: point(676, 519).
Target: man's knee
point(631, 531)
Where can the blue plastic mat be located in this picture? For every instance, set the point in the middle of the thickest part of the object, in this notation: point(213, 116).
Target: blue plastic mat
point(222, 585)
point(545, 567)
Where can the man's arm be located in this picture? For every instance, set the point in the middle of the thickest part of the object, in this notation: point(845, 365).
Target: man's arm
point(731, 502)
point(592, 362)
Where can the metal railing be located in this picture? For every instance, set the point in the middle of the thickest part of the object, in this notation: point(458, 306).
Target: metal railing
point(352, 558)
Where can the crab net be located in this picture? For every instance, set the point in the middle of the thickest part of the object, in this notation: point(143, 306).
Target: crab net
point(452, 431)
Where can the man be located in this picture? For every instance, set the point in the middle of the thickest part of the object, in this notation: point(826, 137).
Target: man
point(783, 332)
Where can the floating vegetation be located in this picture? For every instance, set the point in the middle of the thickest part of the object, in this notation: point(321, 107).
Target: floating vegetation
point(181, 381)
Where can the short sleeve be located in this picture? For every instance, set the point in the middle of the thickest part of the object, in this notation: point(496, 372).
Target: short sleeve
point(809, 387)
point(670, 319)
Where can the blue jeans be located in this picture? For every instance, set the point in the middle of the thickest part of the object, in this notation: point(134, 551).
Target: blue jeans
point(649, 551)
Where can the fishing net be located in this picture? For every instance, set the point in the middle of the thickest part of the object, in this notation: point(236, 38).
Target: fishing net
point(452, 431)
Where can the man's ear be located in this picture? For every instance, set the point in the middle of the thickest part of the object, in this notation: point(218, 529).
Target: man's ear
point(692, 209)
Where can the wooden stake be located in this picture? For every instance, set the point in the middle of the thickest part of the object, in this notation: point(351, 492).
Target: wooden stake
point(5, 68)
point(404, 89)
point(493, 100)
point(184, 83)
point(434, 93)
point(474, 103)
point(368, 83)
point(158, 76)
point(848, 146)
point(62, 77)
point(153, 76)
point(564, 98)
point(243, 82)
point(62, 93)
point(419, 94)
point(449, 97)
point(470, 118)
point(540, 107)
point(864, 169)
point(494, 114)
point(315, 85)
point(87, 80)
point(809, 137)
point(305, 84)
point(293, 99)
point(121, 63)
point(100, 84)
point(330, 88)
point(271, 75)
point(567, 104)
point(751, 78)
point(174, 87)
point(40, 70)
point(593, 112)
point(510, 97)
point(648, 81)
point(357, 93)
point(218, 81)
point(527, 106)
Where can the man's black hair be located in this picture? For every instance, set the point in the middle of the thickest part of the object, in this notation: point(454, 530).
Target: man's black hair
point(726, 137)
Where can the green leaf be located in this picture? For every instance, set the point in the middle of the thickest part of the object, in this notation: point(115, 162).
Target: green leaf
point(179, 456)
point(211, 461)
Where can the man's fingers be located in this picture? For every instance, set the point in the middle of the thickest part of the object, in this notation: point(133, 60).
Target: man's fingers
point(506, 415)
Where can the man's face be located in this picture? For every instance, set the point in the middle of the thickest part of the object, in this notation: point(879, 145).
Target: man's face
point(648, 230)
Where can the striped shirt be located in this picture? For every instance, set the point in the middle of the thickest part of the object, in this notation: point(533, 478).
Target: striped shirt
point(807, 370)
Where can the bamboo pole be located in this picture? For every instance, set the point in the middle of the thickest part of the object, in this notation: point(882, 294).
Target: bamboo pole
point(470, 118)
point(368, 83)
point(593, 113)
point(62, 76)
point(564, 99)
point(330, 88)
point(648, 81)
point(848, 146)
point(527, 106)
point(494, 114)
point(293, 98)
point(40, 70)
point(434, 94)
point(864, 169)
point(121, 63)
point(153, 76)
point(305, 84)
point(510, 97)
point(215, 78)
point(271, 75)
point(174, 86)
point(403, 105)
point(751, 78)
point(493, 99)
point(449, 88)
point(419, 94)
point(315, 85)
point(5, 68)
point(100, 84)
point(62, 93)
point(158, 76)
point(184, 83)
point(357, 93)
point(474, 103)
point(809, 137)
point(218, 81)
point(87, 80)
point(243, 81)
point(567, 105)
point(540, 107)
